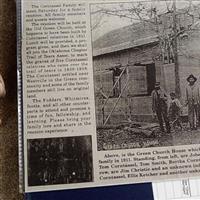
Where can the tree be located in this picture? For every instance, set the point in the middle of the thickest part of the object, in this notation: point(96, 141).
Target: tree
point(175, 51)
point(170, 20)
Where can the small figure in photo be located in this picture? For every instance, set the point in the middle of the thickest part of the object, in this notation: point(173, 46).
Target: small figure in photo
point(175, 111)
point(192, 101)
point(159, 107)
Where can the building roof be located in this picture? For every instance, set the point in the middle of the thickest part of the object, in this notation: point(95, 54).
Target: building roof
point(124, 38)
point(136, 35)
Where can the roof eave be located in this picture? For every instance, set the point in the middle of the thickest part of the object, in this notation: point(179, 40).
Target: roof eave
point(125, 45)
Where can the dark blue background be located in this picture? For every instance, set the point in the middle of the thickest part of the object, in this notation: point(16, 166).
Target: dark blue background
point(122, 192)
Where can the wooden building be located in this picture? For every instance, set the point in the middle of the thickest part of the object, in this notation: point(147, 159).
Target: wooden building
point(135, 50)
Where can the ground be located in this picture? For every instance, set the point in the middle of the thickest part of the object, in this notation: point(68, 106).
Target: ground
point(129, 137)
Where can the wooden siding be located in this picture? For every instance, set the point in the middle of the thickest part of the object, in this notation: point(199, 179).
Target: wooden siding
point(189, 62)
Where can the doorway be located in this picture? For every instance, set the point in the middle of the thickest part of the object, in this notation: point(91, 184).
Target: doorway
point(151, 77)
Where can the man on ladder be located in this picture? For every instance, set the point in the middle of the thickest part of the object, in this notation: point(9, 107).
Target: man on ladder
point(116, 74)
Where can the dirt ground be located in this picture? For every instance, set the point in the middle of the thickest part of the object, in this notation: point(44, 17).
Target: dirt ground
point(125, 138)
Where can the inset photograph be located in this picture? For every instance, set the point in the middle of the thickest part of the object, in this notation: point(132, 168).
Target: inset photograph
point(60, 160)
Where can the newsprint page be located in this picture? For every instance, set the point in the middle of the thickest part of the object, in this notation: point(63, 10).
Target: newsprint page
point(110, 92)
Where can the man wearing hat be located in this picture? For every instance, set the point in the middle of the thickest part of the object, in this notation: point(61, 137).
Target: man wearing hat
point(159, 106)
point(116, 74)
point(192, 100)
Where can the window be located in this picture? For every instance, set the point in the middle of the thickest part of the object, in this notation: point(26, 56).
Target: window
point(142, 79)
point(151, 77)
point(141, 82)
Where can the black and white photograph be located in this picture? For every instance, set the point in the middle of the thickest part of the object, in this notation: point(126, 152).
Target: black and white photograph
point(146, 60)
point(60, 160)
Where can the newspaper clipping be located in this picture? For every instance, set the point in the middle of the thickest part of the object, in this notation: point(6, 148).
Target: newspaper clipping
point(110, 92)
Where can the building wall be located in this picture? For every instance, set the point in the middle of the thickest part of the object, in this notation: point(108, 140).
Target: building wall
point(189, 62)
point(103, 78)
point(184, 71)
point(135, 108)
point(140, 54)
point(144, 55)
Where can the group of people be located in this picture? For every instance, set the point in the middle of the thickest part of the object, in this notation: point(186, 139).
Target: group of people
point(168, 109)
point(58, 161)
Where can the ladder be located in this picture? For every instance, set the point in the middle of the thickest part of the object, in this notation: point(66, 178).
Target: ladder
point(105, 120)
point(101, 92)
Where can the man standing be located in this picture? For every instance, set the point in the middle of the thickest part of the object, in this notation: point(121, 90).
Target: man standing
point(116, 74)
point(192, 100)
point(159, 106)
